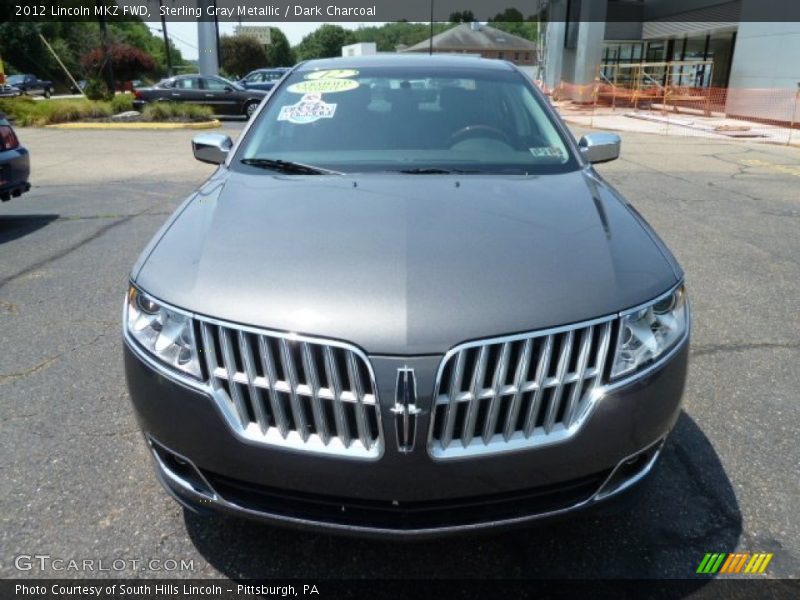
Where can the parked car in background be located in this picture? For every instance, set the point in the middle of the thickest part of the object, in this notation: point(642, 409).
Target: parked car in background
point(80, 87)
point(263, 79)
point(223, 96)
point(9, 91)
point(14, 163)
point(31, 85)
point(395, 315)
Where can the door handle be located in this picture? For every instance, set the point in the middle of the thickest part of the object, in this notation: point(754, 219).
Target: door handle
point(175, 94)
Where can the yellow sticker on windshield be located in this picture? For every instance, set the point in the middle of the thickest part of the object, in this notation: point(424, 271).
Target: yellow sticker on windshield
point(323, 86)
point(332, 74)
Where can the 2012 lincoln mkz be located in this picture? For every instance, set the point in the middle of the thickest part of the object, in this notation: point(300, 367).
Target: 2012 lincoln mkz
point(405, 304)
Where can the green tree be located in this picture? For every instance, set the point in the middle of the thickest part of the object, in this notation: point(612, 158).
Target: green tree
point(324, 42)
point(279, 52)
point(24, 52)
point(464, 16)
point(240, 54)
point(512, 21)
point(390, 35)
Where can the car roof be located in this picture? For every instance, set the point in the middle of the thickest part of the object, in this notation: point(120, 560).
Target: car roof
point(267, 69)
point(411, 60)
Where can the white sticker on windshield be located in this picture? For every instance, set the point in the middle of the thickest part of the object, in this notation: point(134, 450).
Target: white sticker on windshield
point(310, 108)
point(546, 152)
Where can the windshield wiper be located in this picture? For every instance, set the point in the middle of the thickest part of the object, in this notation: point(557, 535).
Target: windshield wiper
point(287, 166)
point(434, 171)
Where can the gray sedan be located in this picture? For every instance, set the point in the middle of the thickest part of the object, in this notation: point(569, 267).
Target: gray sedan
point(405, 304)
point(223, 96)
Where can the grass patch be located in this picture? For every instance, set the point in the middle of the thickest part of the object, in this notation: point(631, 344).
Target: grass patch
point(122, 103)
point(175, 111)
point(27, 112)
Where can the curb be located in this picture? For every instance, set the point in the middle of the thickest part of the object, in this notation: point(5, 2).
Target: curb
point(136, 126)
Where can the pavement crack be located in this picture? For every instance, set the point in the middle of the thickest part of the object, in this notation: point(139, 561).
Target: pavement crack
point(69, 249)
point(4, 378)
point(741, 347)
point(34, 369)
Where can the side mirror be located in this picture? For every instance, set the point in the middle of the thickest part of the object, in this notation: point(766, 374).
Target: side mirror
point(211, 148)
point(600, 147)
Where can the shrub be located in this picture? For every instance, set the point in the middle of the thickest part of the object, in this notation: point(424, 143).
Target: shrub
point(96, 89)
point(26, 111)
point(122, 103)
point(128, 62)
point(175, 111)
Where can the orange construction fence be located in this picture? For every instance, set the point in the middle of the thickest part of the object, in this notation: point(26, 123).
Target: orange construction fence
point(779, 106)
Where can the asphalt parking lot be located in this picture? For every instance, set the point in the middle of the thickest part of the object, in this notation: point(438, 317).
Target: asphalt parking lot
point(77, 480)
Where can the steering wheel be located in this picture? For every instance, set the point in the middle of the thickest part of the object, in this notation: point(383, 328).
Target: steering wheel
point(479, 131)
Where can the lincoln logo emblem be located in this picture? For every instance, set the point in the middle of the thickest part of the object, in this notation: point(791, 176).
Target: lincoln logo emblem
point(405, 409)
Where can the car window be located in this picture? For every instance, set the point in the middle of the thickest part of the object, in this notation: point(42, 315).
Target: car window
point(218, 84)
point(255, 77)
point(187, 83)
point(397, 119)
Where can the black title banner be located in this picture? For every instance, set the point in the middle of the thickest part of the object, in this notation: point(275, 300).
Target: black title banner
point(711, 11)
point(376, 589)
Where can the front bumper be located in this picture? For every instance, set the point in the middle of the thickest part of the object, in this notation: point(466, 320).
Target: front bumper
point(14, 172)
point(205, 465)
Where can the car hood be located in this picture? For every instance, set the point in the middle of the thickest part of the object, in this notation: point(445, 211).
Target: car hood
point(405, 264)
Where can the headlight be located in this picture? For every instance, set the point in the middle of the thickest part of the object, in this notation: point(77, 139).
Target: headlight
point(164, 333)
point(649, 332)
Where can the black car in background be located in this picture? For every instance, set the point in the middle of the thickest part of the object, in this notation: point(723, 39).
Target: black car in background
point(14, 163)
point(223, 96)
point(263, 79)
point(31, 85)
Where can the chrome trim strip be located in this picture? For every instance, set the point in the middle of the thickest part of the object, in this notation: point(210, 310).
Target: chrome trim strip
point(595, 498)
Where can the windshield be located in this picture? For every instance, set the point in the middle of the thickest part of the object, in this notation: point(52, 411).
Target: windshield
point(420, 120)
point(12, 79)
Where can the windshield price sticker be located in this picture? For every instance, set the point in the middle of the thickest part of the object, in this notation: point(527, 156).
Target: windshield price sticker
point(323, 86)
point(308, 109)
point(332, 74)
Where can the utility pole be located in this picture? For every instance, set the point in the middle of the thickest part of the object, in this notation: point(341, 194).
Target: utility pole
point(216, 32)
point(167, 52)
point(430, 42)
point(108, 68)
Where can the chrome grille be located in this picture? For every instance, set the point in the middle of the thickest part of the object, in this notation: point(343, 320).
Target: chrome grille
point(291, 391)
point(518, 391)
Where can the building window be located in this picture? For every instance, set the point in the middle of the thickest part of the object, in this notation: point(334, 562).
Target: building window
point(516, 55)
point(501, 54)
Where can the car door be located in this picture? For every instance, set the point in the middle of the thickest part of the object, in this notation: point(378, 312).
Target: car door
point(33, 85)
point(186, 89)
point(221, 96)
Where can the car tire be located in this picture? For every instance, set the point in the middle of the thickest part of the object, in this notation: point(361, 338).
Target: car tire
point(250, 109)
point(46, 93)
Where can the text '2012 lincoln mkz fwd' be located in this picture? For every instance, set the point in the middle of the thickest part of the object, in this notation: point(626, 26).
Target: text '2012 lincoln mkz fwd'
point(405, 304)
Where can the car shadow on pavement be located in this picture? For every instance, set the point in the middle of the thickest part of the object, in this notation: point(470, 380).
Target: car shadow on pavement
point(13, 227)
point(687, 508)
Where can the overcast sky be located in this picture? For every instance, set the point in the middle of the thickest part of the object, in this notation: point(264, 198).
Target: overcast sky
point(184, 34)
